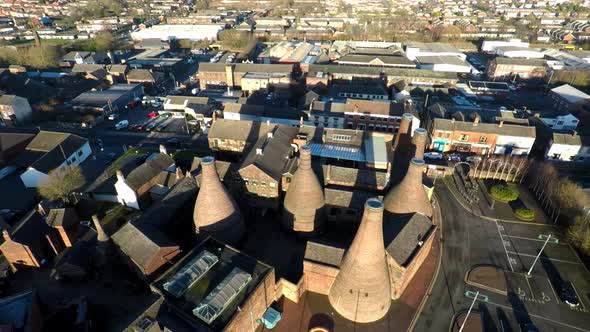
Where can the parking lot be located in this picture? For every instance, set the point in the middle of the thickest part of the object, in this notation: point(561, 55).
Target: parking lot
point(140, 116)
point(537, 298)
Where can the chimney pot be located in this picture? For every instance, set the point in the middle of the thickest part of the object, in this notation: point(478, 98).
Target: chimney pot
point(163, 149)
point(120, 175)
point(501, 123)
point(259, 151)
point(269, 135)
point(5, 235)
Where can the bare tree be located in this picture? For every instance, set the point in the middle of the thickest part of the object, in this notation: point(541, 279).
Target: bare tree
point(61, 182)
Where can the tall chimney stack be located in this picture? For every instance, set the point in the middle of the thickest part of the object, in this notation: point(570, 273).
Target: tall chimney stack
point(409, 195)
point(304, 201)
point(402, 139)
point(419, 141)
point(101, 235)
point(361, 291)
point(215, 212)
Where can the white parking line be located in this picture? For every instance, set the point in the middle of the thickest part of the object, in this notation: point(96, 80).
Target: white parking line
point(541, 317)
point(504, 245)
point(551, 259)
point(530, 239)
point(530, 287)
point(579, 297)
point(553, 289)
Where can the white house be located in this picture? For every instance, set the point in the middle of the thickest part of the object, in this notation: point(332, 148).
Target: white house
point(49, 151)
point(566, 122)
point(509, 143)
point(15, 110)
point(567, 147)
point(148, 181)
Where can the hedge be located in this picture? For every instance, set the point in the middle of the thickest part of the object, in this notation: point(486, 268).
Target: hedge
point(525, 214)
point(504, 193)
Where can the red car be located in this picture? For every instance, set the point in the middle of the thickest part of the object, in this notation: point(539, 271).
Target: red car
point(132, 127)
point(133, 104)
point(140, 127)
point(153, 115)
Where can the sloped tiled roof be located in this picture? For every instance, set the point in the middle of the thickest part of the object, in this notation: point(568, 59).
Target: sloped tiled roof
point(403, 235)
point(149, 170)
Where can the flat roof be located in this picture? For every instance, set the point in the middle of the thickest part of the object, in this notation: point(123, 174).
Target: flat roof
point(375, 149)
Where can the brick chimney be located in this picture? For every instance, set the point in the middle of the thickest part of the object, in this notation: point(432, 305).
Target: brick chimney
point(476, 120)
point(419, 141)
point(6, 235)
point(120, 175)
point(215, 211)
point(402, 139)
point(361, 291)
point(163, 149)
point(229, 75)
point(409, 195)
point(501, 123)
point(304, 200)
point(101, 235)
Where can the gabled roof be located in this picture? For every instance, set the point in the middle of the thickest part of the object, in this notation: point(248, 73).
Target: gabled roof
point(149, 170)
point(48, 150)
point(34, 91)
point(323, 252)
point(61, 217)
point(30, 230)
point(16, 310)
point(144, 75)
point(141, 242)
point(275, 152)
point(9, 140)
point(570, 93)
point(376, 60)
point(403, 235)
point(485, 128)
point(247, 131)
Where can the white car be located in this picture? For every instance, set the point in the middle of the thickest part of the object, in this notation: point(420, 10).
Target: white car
point(473, 159)
point(113, 116)
point(433, 155)
point(122, 124)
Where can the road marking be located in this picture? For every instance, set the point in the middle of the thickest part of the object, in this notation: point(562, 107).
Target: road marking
point(578, 295)
point(541, 317)
point(553, 289)
point(530, 287)
point(480, 297)
point(532, 239)
point(506, 251)
point(545, 297)
point(551, 259)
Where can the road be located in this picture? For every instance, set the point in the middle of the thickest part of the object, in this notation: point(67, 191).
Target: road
point(468, 241)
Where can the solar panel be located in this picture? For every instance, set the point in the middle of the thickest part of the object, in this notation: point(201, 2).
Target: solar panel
point(190, 273)
point(227, 290)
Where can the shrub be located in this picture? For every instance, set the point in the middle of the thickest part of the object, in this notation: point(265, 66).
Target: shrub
point(504, 193)
point(525, 214)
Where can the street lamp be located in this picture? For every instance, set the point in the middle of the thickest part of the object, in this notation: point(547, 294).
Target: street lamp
point(538, 255)
point(469, 311)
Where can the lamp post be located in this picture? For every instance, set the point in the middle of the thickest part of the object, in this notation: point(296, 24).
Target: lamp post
point(538, 255)
point(469, 311)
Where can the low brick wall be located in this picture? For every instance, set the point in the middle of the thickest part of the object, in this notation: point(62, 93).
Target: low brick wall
point(318, 277)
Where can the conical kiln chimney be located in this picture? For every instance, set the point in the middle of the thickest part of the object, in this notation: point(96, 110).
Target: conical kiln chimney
point(361, 291)
point(409, 195)
point(304, 201)
point(419, 142)
point(215, 212)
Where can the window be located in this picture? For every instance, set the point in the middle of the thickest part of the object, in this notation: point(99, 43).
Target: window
point(483, 139)
point(362, 117)
point(448, 135)
point(263, 183)
point(272, 184)
point(439, 135)
point(341, 138)
point(463, 137)
point(80, 153)
point(288, 180)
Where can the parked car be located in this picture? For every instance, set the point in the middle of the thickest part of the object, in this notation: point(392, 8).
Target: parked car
point(140, 127)
point(113, 116)
point(153, 114)
point(433, 155)
point(133, 104)
point(151, 126)
point(568, 294)
point(122, 124)
point(453, 157)
point(473, 159)
point(161, 127)
point(165, 115)
point(173, 142)
point(132, 127)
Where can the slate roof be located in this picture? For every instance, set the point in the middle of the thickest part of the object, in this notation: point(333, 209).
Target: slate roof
point(86, 68)
point(354, 199)
point(377, 71)
point(247, 67)
point(34, 91)
point(386, 59)
point(323, 252)
point(276, 152)
point(48, 150)
point(485, 128)
point(248, 131)
point(374, 107)
point(402, 236)
point(570, 93)
point(149, 170)
point(9, 140)
point(261, 110)
point(141, 242)
point(15, 310)
point(181, 100)
point(105, 183)
point(31, 230)
point(144, 75)
point(61, 217)
point(358, 178)
point(521, 62)
point(180, 196)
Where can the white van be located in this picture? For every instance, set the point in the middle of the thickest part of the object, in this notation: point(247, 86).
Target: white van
point(122, 124)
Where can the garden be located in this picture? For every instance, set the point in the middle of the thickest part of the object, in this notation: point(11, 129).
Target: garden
point(508, 193)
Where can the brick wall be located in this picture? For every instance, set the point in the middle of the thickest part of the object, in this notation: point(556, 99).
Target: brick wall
point(318, 277)
point(18, 255)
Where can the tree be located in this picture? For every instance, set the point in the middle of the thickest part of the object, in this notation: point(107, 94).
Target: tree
point(504, 193)
point(234, 40)
point(61, 182)
point(567, 194)
point(105, 41)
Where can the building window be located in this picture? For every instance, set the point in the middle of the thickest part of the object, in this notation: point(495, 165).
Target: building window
point(288, 180)
point(262, 183)
point(341, 138)
point(483, 139)
point(439, 135)
point(80, 153)
point(273, 185)
point(463, 137)
point(448, 135)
